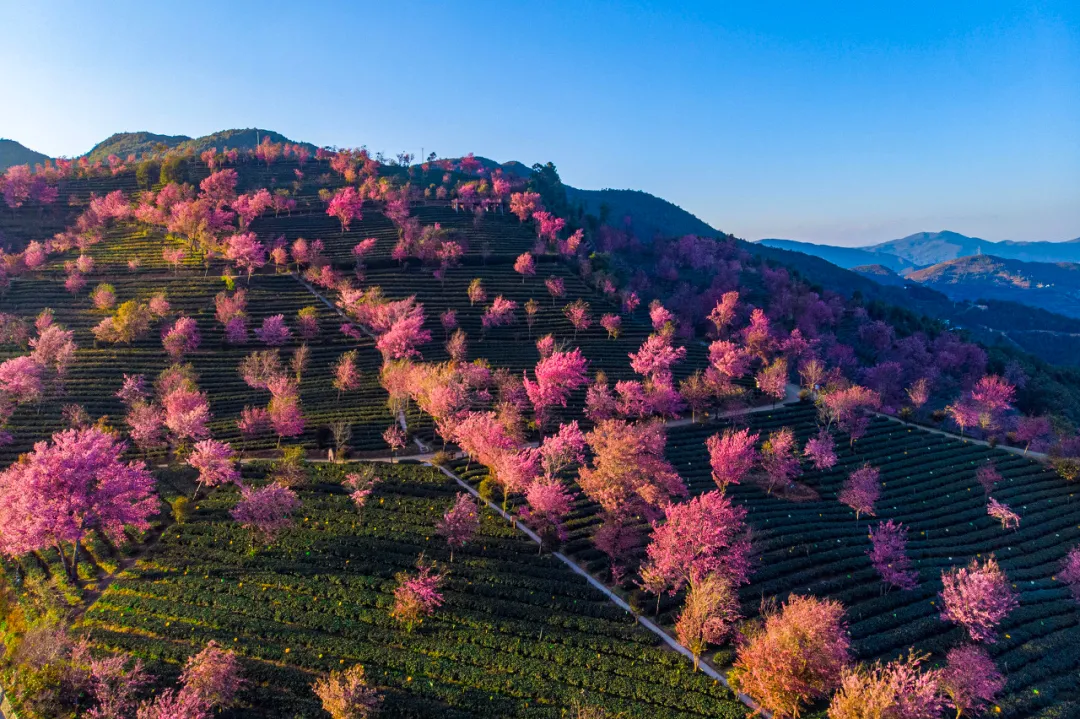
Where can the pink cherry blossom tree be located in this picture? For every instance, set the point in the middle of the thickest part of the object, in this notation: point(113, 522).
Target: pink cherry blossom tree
point(460, 523)
point(346, 206)
point(970, 680)
point(628, 473)
point(578, 314)
point(216, 463)
point(779, 460)
point(896, 689)
point(613, 324)
point(246, 251)
point(213, 676)
point(731, 455)
point(706, 535)
point(821, 450)
point(549, 501)
point(888, 554)
point(69, 486)
point(360, 485)
point(977, 597)
point(987, 476)
point(556, 287)
point(417, 595)
point(861, 490)
point(557, 375)
point(181, 338)
point(274, 332)
point(394, 436)
point(266, 511)
point(346, 373)
point(1070, 572)
point(525, 266)
point(1003, 513)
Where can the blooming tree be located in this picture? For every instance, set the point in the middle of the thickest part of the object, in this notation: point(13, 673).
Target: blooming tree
point(1070, 572)
point(896, 689)
point(861, 490)
point(345, 205)
point(525, 266)
point(347, 694)
point(557, 375)
point(274, 332)
point(460, 523)
point(416, 595)
point(629, 473)
point(266, 511)
point(779, 459)
point(181, 338)
point(69, 486)
point(731, 455)
point(346, 373)
point(821, 450)
point(797, 656)
point(215, 462)
point(888, 554)
point(977, 597)
point(360, 485)
point(1003, 513)
point(394, 436)
point(706, 535)
point(970, 680)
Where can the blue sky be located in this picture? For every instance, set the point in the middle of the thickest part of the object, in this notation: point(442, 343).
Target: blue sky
point(848, 125)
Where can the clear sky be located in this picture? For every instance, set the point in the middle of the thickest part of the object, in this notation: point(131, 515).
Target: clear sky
point(847, 125)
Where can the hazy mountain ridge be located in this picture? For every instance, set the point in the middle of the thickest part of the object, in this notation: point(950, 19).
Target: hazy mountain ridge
point(923, 249)
point(846, 257)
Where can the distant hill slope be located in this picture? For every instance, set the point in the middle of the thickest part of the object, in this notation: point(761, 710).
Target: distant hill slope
point(125, 143)
point(846, 257)
point(1052, 336)
point(1053, 287)
point(930, 248)
point(649, 215)
point(14, 153)
point(880, 273)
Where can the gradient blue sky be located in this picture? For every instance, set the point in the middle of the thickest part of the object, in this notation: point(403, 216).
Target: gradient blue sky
point(848, 125)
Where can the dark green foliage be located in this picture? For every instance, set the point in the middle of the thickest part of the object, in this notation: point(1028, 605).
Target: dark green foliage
point(519, 635)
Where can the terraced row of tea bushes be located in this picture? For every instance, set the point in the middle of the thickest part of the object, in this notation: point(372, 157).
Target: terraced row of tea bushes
point(519, 635)
point(98, 371)
point(929, 485)
point(497, 235)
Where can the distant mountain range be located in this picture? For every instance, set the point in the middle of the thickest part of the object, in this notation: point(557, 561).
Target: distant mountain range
point(929, 248)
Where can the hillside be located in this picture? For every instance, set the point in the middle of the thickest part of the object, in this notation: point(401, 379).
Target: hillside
point(14, 153)
point(391, 325)
point(125, 143)
point(880, 273)
point(846, 257)
point(1053, 287)
point(648, 215)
